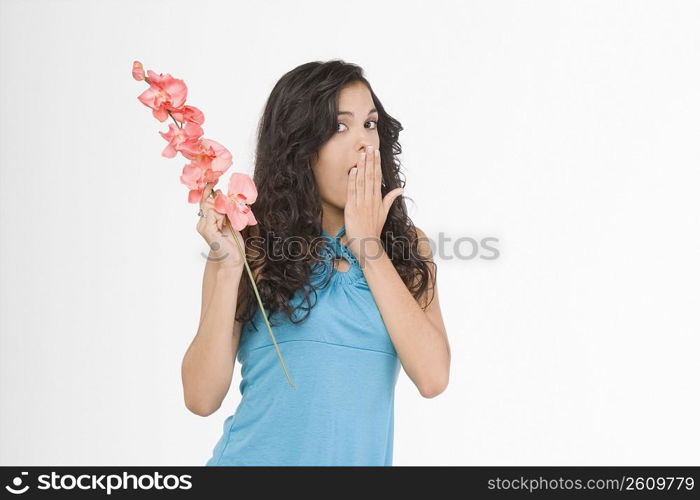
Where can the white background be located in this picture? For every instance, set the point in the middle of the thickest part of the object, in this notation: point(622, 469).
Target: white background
point(567, 130)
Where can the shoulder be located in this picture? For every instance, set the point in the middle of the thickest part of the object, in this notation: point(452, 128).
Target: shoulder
point(425, 251)
point(424, 248)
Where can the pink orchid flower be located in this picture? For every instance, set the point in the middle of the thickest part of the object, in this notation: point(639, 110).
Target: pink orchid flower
point(207, 152)
point(196, 176)
point(163, 94)
point(241, 193)
point(176, 136)
point(188, 114)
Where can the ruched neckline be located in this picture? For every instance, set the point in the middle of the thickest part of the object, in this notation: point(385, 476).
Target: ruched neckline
point(335, 249)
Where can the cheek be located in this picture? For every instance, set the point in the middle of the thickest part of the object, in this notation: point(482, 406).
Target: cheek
point(333, 188)
point(338, 187)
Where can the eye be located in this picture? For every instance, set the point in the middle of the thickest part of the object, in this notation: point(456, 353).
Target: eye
point(376, 124)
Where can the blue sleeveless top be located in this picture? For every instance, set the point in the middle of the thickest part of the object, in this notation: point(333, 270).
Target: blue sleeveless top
point(344, 366)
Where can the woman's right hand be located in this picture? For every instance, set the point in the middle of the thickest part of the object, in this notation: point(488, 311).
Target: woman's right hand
point(216, 231)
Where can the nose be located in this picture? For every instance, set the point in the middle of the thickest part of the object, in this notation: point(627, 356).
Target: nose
point(363, 145)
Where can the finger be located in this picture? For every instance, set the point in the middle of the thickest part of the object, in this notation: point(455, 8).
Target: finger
point(206, 215)
point(352, 198)
point(377, 176)
point(214, 216)
point(214, 220)
point(360, 179)
point(207, 190)
point(214, 195)
point(226, 225)
point(208, 203)
point(369, 177)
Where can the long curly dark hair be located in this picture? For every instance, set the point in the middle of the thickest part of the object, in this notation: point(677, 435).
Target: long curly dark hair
point(299, 117)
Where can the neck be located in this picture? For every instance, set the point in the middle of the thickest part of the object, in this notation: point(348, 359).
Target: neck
point(332, 219)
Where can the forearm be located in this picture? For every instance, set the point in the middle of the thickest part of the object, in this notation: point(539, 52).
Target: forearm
point(208, 282)
point(207, 368)
point(214, 262)
point(421, 347)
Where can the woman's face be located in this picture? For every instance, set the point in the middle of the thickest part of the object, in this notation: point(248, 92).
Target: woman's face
point(356, 129)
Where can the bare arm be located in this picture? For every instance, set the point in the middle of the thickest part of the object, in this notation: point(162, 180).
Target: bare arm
point(209, 280)
point(419, 335)
point(207, 367)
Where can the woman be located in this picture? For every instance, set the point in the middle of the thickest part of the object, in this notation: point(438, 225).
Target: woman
point(347, 280)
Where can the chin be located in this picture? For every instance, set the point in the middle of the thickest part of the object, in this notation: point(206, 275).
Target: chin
point(340, 203)
point(336, 204)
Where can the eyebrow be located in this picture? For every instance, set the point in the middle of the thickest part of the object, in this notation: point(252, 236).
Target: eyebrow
point(350, 113)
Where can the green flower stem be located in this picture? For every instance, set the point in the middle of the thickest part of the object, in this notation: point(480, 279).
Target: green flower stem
point(262, 309)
